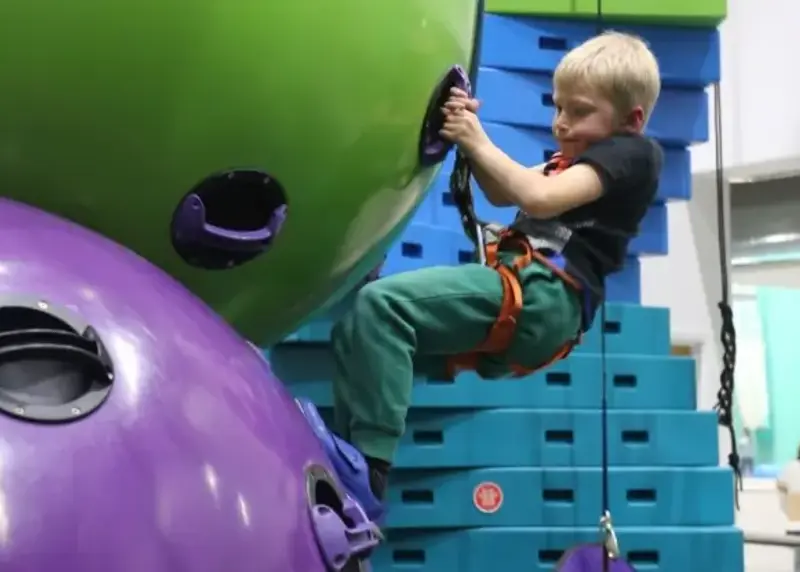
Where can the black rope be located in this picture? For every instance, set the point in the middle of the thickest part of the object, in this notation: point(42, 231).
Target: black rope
point(725, 395)
point(605, 514)
point(460, 187)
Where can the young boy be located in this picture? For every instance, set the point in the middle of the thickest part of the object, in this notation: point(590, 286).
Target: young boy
point(605, 90)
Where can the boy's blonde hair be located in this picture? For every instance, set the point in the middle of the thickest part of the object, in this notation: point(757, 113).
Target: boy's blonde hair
point(619, 66)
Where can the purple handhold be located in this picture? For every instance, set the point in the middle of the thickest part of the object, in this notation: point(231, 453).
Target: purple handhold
point(277, 219)
point(338, 542)
point(434, 148)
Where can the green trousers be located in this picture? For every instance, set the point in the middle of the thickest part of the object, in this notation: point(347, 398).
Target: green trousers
point(410, 323)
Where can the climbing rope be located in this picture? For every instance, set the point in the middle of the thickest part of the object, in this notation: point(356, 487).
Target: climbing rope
point(460, 187)
point(475, 228)
point(611, 550)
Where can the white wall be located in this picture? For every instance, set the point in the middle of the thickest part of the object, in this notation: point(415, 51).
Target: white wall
point(688, 282)
point(760, 43)
point(780, 274)
point(761, 123)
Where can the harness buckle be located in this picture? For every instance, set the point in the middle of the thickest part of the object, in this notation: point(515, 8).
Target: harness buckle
point(505, 326)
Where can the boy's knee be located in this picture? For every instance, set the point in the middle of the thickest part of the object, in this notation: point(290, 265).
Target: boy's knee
point(368, 306)
point(373, 298)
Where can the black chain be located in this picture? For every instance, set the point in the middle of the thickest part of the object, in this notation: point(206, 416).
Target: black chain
point(725, 395)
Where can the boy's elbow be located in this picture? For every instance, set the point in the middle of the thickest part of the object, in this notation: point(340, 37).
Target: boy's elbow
point(497, 201)
point(536, 199)
point(539, 208)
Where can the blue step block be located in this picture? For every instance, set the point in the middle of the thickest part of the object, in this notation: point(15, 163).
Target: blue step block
point(421, 246)
point(448, 439)
point(687, 57)
point(625, 286)
point(517, 98)
point(629, 329)
point(649, 549)
point(531, 147)
point(559, 498)
point(634, 383)
point(652, 237)
point(445, 213)
point(557, 438)
point(426, 211)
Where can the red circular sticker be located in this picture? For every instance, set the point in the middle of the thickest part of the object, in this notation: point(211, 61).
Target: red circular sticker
point(488, 497)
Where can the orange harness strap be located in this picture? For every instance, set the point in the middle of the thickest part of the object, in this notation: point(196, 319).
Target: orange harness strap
point(502, 332)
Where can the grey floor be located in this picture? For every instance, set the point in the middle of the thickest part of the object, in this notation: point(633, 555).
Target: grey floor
point(760, 513)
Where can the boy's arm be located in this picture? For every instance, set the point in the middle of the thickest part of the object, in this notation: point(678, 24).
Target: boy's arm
point(492, 188)
point(620, 163)
point(534, 193)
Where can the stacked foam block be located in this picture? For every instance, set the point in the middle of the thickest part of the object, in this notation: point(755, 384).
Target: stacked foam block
point(507, 473)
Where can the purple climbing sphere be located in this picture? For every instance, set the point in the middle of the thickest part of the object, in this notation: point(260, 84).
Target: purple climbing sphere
point(194, 461)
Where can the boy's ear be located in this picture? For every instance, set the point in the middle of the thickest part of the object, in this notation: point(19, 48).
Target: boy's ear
point(635, 119)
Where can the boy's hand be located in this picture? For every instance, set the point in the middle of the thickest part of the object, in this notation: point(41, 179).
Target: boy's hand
point(460, 100)
point(461, 125)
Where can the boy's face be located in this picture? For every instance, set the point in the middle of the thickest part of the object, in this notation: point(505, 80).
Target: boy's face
point(584, 117)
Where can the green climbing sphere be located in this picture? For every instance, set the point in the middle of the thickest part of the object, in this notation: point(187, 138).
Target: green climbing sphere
point(264, 153)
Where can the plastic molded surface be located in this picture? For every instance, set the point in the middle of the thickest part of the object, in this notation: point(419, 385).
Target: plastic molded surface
point(640, 496)
point(665, 12)
point(665, 383)
point(661, 549)
point(196, 461)
point(681, 116)
point(116, 110)
point(442, 438)
point(687, 57)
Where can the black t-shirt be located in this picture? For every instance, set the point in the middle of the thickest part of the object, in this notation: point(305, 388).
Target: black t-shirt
point(629, 166)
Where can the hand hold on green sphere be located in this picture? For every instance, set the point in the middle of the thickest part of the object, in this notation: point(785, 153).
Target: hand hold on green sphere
point(263, 153)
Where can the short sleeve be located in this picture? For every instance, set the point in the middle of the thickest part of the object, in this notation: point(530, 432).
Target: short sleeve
point(624, 163)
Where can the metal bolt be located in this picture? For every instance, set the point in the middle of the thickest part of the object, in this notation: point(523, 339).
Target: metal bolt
point(75, 411)
point(19, 411)
point(42, 305)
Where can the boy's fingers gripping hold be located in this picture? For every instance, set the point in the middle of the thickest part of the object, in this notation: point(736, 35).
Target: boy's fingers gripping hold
point(454, 106)
point(468, 102)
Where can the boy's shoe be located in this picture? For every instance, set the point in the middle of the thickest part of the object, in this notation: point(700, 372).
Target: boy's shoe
point(349, 463)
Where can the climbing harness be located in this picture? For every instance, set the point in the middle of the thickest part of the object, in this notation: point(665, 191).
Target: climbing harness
point(490, 238)
point(495, 238)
